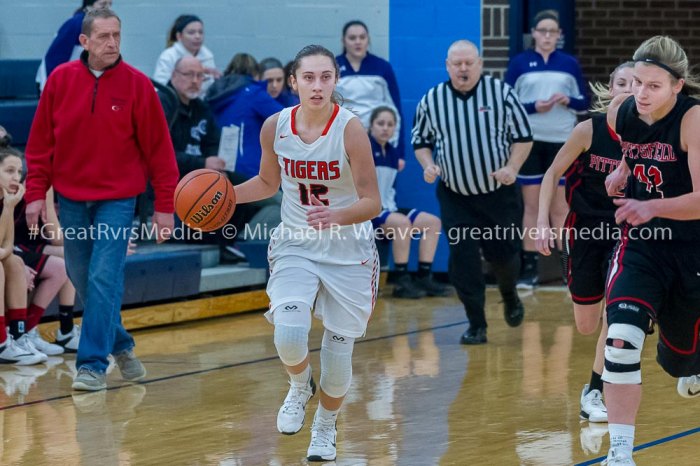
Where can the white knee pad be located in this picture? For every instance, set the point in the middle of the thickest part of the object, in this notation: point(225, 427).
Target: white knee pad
point(623, 365)
point(292, 325)
point(336, 364)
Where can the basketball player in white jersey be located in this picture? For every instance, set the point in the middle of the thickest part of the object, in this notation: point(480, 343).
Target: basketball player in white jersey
point(322, 255)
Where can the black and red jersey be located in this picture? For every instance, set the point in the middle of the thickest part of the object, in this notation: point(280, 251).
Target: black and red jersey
point(585, 179)
point(658, 164)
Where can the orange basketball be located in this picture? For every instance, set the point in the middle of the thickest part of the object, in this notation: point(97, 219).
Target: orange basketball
point(205, 200)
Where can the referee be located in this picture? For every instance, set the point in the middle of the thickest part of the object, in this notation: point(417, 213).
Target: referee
point(480, 136)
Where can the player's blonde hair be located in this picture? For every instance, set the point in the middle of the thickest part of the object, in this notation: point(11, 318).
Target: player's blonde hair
point(602, 92)
point(666, 53)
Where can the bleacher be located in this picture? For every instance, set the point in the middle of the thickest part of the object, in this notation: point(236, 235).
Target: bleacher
point(19, 97)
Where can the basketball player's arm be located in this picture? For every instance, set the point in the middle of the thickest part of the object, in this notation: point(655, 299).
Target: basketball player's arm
point(616, 181)
point(267, 182)
point(685, 207)
point(368, 205)
point(579, 141)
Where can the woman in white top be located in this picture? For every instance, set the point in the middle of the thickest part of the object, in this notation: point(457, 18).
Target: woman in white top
point(322, 255)
point(186, 37)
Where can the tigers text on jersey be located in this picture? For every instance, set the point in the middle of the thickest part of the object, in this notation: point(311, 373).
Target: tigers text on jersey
point(320, 169)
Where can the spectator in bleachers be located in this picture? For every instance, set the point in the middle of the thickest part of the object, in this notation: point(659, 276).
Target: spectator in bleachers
point(273, 73)
point(241, 104)
point(42, 255)
point(402, 225)
point(196, 137)
point(240, 101)
point(15, 345)
point(65, 45)
point(186, 37)
point(367, 81)
point(44, 264)
point(550, 85)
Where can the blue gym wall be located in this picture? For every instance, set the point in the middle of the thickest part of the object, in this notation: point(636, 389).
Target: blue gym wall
point(419, 34)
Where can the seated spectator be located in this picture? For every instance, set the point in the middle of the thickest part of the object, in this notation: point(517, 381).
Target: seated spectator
point(43, 258)
point(66, 46)
point(368, 81)
point(239, 100)
point(15, 347)
point(186, 37)
point(196, 136)
point(402, 225)
point(273, 73)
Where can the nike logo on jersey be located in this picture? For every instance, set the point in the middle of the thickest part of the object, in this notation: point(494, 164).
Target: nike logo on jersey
point(364, 262)
point(282, 136)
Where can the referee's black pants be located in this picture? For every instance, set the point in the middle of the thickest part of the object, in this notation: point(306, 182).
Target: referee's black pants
point(476, 224)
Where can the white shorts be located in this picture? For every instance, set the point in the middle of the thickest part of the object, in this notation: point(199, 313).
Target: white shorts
point(342, 296)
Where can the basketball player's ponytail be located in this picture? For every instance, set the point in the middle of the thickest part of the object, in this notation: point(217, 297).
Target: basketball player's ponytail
point(666, 53)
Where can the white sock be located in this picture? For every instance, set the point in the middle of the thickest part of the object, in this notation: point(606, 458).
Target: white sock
point(303, 376)
point(326, 414)
point(621, 437)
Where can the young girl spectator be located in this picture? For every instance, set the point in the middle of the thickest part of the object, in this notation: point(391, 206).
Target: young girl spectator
point(186, 37)
point(402, 225)
point(550, 85)
point(587, 157)
point(65, 46)
point(367, 81)
point(15, 346)
point(273, 73)
point(319, 257)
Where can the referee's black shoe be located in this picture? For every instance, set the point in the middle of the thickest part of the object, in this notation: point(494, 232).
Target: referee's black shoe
point(474, 336)
point(513, 311)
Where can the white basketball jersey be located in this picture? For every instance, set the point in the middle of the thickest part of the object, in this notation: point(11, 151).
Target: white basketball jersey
point(320, 169)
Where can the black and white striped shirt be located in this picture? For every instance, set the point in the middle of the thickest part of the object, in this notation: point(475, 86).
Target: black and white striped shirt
point(470, 134)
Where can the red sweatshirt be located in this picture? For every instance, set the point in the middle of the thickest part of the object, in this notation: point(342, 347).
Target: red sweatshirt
point(100, 138)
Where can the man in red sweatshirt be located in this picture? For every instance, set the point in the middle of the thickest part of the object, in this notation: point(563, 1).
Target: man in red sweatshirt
point(98, 134)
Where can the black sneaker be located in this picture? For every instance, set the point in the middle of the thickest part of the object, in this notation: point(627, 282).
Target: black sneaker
point(474, 336)
point(431, 287)
point(513, 312)
point(405, 288)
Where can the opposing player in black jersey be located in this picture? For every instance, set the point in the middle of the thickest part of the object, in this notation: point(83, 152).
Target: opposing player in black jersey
point(655, 271)
point(588, 156)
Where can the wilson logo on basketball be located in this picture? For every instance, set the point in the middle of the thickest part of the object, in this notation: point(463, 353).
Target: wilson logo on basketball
point(205, 209)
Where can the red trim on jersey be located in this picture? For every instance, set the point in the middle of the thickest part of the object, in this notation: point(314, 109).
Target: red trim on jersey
point(617, 260)
point(613, 134)
point(336, 109)
point(680, 351)
point(581, 300)
point(293, 121)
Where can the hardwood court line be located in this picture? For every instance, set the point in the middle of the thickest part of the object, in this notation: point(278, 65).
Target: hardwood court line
point(648, 444)
point(229, 366)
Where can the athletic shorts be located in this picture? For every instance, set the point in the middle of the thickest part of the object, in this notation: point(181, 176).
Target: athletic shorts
point(589, 245)
point(659, 281)
point(540, 159)
point(380, 219)
point(33, 258)
point(342, 296)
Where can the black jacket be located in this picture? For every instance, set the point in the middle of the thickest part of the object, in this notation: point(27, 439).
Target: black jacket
point(193, 129)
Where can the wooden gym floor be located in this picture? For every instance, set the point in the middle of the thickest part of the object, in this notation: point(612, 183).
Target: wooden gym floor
point(417, 398)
